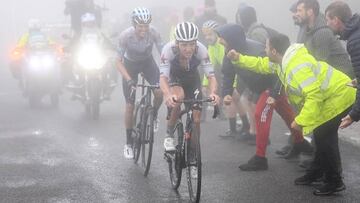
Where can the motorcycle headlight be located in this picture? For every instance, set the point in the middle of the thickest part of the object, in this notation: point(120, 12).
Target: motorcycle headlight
point(41, 62)
point(91, 58)
point(48, 61)
point(35, 62)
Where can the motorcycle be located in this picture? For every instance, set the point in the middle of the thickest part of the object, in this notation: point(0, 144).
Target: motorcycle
point(92, 72)
point(41, 75)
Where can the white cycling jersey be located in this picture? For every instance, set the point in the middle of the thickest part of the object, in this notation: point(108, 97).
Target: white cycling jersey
point(135, 49)
point(170, 60)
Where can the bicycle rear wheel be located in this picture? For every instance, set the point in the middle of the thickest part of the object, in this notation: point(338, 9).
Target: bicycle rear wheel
point(136, 134)
point(147, 139)
point(175, 159)
point(193, 165)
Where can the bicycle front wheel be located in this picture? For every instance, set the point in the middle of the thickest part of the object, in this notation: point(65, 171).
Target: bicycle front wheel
point(136, 134)
point(193, 165)
point(175, 159)
point(147, 139)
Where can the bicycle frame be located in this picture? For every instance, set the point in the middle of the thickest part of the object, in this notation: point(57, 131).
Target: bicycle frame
point(179, 159)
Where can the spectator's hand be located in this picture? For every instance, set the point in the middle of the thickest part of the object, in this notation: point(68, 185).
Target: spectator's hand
point(216, 99)
point(354, 82)
point(233, 55)
point(271, 101)
point(227, 99)
point(295, 126)
point(345, 122)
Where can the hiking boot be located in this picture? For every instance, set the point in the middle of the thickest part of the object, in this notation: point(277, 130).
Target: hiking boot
point(307, 179)
point(305, 164)
point(284, 150)
point(298, 148)
point(244, 136)
point(256, 163)
point(228, 134)
point(330, 188)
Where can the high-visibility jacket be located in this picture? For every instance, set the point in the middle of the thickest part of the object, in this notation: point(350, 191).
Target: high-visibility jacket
point(216, 55)
point(316, 89)
point(37, 37)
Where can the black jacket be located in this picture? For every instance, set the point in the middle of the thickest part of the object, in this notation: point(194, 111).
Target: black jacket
point(324, 46)
point(352, 35)
point(234, 35)
point(77, 8)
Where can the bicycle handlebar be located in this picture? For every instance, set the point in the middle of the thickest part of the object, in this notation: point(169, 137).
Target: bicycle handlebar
point(149, 86)
point(193, 101)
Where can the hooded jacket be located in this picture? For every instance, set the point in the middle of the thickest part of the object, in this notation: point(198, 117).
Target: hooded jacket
point(246, 16)
point(324, 46)
point(234, 35)
point(352, 35)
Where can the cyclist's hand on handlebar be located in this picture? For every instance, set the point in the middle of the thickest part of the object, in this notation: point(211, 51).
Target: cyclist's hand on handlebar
point(131, 83)
point(227, 99)
point(170, 100)
point(132, 86)
point(215, 98)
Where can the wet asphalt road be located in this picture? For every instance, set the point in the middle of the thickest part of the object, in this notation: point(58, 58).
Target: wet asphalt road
point(57, 155)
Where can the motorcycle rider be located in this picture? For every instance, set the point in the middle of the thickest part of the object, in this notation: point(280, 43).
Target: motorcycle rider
point(77, 8)
point(32, 39)
point(90, 28)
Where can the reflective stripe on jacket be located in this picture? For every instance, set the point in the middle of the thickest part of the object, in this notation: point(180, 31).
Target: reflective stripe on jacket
point(316, 89)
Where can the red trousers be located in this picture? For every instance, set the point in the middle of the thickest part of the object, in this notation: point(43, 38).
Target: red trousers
point(263, 117)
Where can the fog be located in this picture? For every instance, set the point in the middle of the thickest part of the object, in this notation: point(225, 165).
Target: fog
point(15, 14)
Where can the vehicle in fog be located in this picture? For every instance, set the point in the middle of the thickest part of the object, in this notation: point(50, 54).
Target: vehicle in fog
point(92, 73)
point(41, 74)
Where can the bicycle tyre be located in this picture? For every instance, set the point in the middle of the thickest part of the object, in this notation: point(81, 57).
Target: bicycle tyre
point(147, 140)
point(136, 134)
point(176, 160)
point(194, 184)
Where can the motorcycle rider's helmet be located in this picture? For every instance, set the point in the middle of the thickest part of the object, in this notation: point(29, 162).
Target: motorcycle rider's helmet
point(211, 24)
point(141, 15)
point(186, 32)
point(34, 25)
point(88, 20)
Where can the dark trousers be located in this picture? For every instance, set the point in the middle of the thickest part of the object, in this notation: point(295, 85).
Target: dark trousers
point(327, 155)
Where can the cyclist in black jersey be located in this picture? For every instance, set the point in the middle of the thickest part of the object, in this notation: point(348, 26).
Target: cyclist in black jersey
point(179, 74)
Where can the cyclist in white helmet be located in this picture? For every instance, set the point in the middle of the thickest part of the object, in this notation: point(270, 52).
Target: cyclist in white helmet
point(136, 46)
point(179, 74)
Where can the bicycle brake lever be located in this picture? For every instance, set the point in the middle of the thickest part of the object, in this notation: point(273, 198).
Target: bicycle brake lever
point(216, 111)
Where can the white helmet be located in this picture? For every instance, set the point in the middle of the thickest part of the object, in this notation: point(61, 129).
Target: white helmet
point(88, 17)
point(210, 24)
point(141, 16)
point(186, 32)
point(34, 24)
